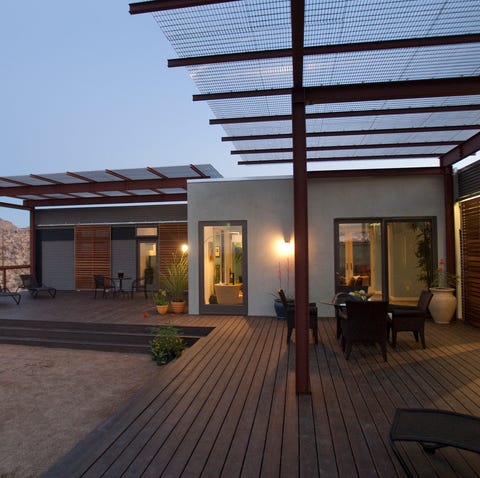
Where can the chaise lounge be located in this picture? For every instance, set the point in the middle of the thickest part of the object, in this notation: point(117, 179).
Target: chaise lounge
point(30, 283)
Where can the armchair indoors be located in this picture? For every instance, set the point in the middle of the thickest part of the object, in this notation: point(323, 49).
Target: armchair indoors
point(289, 306)
point(365, 321)
point(409, 318)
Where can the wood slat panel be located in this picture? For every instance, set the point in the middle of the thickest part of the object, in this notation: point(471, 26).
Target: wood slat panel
point(171, 238)
point(470, 252)
point(92, 254)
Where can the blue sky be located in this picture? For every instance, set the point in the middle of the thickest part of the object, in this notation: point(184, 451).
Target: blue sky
point(85, 86)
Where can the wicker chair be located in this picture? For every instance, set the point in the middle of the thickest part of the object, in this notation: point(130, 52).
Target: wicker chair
point(289, 306)
point(366, 321)
point(409, 319)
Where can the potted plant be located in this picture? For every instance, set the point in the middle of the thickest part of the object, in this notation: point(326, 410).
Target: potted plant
point(443, 303)
point(161, 301)
point(175, 281)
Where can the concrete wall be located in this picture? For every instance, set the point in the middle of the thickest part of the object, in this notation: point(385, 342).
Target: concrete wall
point(266, 204)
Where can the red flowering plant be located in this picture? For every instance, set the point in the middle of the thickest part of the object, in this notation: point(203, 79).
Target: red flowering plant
point(284, 275)
point(442, 278)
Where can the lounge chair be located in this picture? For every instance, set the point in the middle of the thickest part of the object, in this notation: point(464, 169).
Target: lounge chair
point(289, 306)
point(14, 295)
point(434, 429)
point(30, 283)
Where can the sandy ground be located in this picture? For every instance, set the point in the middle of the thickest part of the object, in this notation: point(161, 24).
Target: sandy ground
point(51, 398)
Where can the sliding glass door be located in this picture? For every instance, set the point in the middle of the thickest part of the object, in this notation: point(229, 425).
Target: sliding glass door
point(390, 258)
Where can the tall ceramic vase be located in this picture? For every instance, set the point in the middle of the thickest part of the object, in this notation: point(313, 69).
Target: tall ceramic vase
point(443, 304)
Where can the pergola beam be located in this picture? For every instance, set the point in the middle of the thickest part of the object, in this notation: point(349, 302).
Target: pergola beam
point(326, 50)
point(159, 198)
point(161, 5)
point(465, 149)
point(349, 147)
point(355, 92)
point(382, 157)
point(358, 132)
point(94, 187)
point(349, 114)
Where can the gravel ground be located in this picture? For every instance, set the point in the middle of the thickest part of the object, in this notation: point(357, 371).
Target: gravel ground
point(52, 398)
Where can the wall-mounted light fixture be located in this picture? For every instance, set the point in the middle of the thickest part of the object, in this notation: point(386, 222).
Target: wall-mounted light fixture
point(285, 248)
point(184, 248)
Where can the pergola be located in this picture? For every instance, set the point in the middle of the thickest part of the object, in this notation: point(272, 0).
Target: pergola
point(315, 82)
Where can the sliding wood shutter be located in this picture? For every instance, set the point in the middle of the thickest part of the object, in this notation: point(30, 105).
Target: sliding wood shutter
point(92, 254)
point(171, 238)
point(470, 237)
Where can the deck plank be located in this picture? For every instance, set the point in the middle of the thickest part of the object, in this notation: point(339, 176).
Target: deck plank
point(228, 406)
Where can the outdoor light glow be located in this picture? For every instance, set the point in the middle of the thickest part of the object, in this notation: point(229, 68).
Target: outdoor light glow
point(285, 248)
point(184, 248)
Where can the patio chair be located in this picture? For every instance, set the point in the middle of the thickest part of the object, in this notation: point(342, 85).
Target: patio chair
point(105, 284)
point(434, 429)
point(138, 284)
point(366, 321)
point(340, 310)
point(289, 306)
point(409, 318)
point(30, 283)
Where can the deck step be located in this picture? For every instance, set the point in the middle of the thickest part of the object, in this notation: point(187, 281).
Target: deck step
point(131, 338)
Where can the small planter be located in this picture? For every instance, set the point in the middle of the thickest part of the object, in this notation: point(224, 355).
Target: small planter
point(280, 311)
point(443, 304)
point(177, 307)
point(162, 309)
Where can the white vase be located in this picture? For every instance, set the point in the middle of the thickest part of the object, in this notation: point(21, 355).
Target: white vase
point(443, 304)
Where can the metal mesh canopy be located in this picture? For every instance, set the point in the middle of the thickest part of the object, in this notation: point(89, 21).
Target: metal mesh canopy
point(381, 79)
point(159, 184)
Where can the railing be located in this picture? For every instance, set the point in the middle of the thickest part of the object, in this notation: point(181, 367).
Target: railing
point(4, 270)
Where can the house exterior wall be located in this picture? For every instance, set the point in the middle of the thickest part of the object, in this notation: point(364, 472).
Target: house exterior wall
point(266, 205)
point(56, 245)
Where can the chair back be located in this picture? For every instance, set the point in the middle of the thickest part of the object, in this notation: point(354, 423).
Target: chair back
point(99, 281)
point(424, 300)
point(367, 320)
point(28, 281)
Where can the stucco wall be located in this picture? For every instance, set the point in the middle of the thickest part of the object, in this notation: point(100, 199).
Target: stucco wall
point(266, 205)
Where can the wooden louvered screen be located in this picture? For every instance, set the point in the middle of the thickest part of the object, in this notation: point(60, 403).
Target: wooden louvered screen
point(171, 237)
point(92, 254)
point(470, 220)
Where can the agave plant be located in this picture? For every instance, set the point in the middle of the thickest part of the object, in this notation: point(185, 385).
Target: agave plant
point(175, 277)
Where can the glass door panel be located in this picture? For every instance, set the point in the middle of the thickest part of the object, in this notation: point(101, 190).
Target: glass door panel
point(410, 260)
point(147, 260)
point(223, 266)
point(359, 257)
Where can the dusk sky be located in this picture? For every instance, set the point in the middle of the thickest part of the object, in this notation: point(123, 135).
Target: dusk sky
point(85, 86)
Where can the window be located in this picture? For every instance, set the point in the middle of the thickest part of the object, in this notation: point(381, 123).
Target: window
point(223, 285)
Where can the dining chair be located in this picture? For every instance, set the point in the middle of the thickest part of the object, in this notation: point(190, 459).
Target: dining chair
point(409, 318)
point(289, 306)
point(105, 284)
point(365, 321)
point(340, 309)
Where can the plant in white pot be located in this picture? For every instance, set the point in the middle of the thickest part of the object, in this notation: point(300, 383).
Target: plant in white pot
point(444, 303)
point(175, 281)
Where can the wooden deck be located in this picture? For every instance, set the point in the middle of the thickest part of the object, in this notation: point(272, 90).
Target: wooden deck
point(228, 406)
